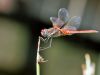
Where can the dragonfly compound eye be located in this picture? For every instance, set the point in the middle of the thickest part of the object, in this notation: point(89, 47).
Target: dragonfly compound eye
point(44, 32)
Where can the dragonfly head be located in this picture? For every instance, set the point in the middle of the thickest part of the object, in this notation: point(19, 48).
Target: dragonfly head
point(44, 32)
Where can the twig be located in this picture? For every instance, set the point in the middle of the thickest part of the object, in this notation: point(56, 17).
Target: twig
point(37, 58)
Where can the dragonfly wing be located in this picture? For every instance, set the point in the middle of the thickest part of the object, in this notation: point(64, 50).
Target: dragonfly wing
point(63, 14)
point(62, 17)
point(56, 21)
point(73, 23)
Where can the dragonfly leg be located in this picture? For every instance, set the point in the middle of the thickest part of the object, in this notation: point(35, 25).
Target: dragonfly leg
point(46, 40)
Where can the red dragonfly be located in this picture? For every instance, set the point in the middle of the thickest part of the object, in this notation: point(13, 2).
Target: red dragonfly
point(63, 25)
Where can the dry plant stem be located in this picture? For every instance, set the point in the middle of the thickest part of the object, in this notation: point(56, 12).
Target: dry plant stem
point(88, 68)
point(37, 58)
point(38, 69)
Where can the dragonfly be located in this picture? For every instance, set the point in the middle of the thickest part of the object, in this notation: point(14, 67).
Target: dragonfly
point(62, 25)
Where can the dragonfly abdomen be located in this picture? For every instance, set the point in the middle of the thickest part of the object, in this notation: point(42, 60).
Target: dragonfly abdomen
point(77, 31)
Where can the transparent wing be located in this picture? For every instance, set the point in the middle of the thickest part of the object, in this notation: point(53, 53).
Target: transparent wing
point(73, 23)
point(63, 14)
point(56, 21)
point(62, 17)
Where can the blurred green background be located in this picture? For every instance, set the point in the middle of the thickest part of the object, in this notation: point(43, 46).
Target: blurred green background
point(14, 46)
point(66, 57)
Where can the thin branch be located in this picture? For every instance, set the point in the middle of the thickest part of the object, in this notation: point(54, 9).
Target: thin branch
point(37, 58)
